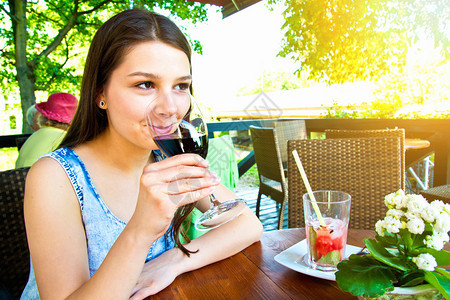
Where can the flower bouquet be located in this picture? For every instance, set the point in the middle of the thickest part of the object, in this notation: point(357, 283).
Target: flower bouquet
point(406, 251)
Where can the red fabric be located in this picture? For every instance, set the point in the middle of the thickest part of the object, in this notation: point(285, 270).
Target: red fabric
point(60, 107)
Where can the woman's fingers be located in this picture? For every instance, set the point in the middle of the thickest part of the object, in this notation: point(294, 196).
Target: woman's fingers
point(180, 172)
point(143, 293)
point(187, 184)
point(187, 197)
point(186, 159)
point(187, 190)
point(183, 179)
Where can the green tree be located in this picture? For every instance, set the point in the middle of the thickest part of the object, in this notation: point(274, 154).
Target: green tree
point(417, 91)
point(42, 42)
point(273, 81)
point(346, 40)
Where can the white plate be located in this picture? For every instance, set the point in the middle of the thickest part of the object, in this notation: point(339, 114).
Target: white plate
point(293, 259)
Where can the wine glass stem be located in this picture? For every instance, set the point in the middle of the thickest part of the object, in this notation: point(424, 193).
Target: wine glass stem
point(213, 201)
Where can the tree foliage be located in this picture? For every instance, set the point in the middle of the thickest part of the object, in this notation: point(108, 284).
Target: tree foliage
point(43, 43)
point(417, 92)
point(272, 81)
point(346, 40)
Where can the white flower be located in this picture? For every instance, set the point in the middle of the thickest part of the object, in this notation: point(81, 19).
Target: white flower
point(415, 226)
point(396, 213)
point(392, 225)
point(410, 216)
point(442, 224)
point(379, 227)
point(447, 208)
point(429, 213)
point(395, 200)
point(425, 261)
point(416, 203)
point(444, 236)
point(438, 204)
point(435, 241)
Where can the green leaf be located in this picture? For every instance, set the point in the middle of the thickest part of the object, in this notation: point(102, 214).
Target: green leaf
point(442, 257)
point(363, 275)
point(388, 240)
point(412, 278)
point(331, 258)
point(312, 239)
point(442, 283)
point(443, 272)
point(384, 256)
point(418, 240)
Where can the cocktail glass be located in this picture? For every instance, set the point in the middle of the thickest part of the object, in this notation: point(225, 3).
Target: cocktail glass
point(326, 244)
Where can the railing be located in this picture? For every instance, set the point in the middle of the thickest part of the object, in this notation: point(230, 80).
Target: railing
point(437, 131)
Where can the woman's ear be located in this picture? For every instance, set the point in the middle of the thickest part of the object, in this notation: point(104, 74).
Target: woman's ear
point(101, 101)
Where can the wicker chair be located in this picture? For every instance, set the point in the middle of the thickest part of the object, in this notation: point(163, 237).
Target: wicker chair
point(272, 181)
point(288, 130)
point(348, 133)
point(366, 168)
point(14, 254)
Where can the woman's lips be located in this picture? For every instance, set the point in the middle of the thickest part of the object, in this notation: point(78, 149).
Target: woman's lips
point(161, 130)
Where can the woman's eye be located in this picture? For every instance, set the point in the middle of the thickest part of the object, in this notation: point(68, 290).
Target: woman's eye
point(146, 85)
point(182, 86)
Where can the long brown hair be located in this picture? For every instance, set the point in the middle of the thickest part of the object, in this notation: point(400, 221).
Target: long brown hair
point(110, 44)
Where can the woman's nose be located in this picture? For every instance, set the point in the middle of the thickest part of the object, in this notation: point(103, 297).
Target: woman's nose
point(166, 105)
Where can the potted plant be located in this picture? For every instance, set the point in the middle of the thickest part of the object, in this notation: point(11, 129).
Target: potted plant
point(406, 252)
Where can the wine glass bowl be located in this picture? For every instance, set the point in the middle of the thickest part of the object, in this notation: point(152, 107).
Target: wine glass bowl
point(177, 126)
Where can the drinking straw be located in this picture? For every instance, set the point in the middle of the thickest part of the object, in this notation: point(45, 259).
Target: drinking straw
point(308, 188)
point(329, 198)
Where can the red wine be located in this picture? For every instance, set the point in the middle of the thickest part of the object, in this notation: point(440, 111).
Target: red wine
point(171, 146)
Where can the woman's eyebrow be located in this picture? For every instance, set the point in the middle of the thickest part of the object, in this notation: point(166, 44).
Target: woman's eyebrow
point(154, 76)
point(144, 74)
point(183, 78)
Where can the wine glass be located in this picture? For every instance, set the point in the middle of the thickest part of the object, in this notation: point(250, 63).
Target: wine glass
point(177, 126)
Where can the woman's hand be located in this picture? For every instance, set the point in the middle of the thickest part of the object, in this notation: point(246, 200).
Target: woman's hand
point(169, 184)
point(157, 274)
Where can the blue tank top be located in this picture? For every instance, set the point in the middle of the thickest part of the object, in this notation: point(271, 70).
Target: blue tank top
point(102, 227)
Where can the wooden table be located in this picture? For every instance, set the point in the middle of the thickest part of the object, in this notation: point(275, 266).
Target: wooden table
point(415, 144)
point(254, 274)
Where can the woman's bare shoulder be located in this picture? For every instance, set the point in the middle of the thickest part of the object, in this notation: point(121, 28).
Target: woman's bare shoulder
point(47, 180)
point(46, 168)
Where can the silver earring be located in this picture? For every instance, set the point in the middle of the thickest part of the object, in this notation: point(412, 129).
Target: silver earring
point(102, 103)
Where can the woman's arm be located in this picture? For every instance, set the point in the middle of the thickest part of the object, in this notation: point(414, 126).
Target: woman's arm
point(57, 242)
point(57, 238)
point(215, 245)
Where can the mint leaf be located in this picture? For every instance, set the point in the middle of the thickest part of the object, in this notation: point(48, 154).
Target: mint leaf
point(384, 256)
point(312, 240)
point(442, 283)
point(331, 258)
point(363, 275)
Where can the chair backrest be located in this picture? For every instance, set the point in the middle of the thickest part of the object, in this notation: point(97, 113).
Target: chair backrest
point(267, 153)
point(14, 254)
point(289, 130)
point(366, 168)
point(352, 133)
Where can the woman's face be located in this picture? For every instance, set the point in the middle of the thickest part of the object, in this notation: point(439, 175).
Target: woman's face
point(152, 72)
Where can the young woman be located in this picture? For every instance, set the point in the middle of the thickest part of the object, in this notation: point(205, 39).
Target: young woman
point(101, 215)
